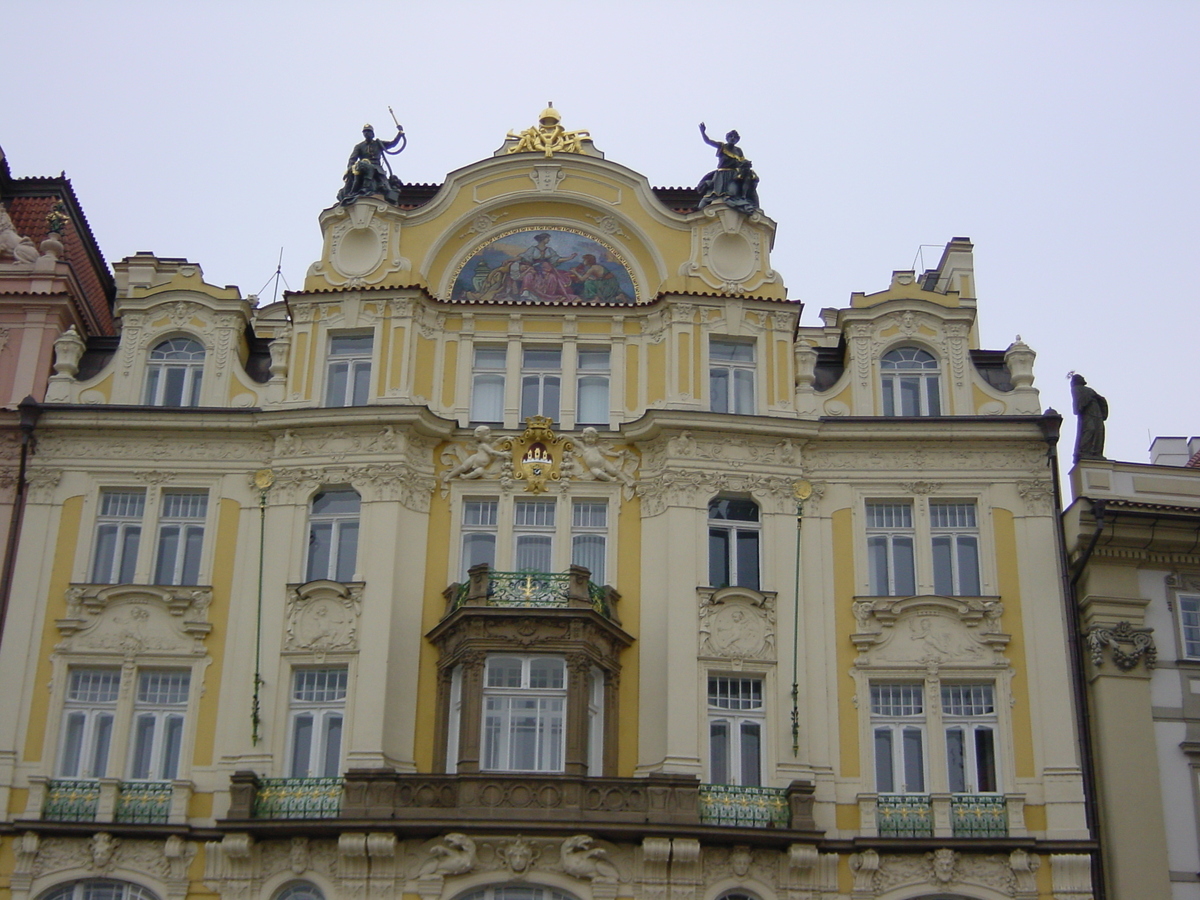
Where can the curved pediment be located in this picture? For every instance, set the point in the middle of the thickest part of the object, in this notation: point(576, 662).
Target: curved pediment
point(129, 619)
point(929, 630)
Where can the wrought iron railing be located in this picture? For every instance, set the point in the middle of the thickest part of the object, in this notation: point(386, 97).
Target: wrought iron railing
point(147, 802)
point(904, 815)
point(749, 807)
point(534, 589)
point(979, 815)
point(71, 801)
point(298, 798)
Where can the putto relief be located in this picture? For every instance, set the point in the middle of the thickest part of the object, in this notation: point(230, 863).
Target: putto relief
point(561, 265)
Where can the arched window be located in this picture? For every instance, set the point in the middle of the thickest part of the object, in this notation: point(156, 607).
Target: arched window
point(911, 383)
point(173, 376)
point(516, 892)
point(99, 889)
point(333, 535)
point(733, 543)
point(300, 890)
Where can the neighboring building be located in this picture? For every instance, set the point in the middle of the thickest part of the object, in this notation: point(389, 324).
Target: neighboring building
point(535, 551)
point(1133, 534)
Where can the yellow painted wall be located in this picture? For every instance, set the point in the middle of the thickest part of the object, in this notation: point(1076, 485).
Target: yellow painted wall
point(629, 567)
point(1010, 595)
point(423, 377)
point(225, 550)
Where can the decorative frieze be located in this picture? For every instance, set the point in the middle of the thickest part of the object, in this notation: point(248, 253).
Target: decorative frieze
point(132, 619)
point(928, 630)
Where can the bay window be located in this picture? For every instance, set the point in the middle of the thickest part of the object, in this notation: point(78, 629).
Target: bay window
point(524, 703)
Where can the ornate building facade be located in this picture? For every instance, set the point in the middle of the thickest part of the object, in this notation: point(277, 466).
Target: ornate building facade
point(534, 550)
point(1132, 532)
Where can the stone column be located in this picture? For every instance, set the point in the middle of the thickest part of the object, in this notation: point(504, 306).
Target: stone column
point(471, 722)
point(579, 668)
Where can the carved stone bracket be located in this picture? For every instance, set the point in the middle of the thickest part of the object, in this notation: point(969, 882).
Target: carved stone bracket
point(934, 630)
point(1126, 643)
point(322, 617)
point(737, 623)
point(131, 619)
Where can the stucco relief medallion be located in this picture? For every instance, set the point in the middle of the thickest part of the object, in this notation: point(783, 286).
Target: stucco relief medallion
point(322, 617)
point(737, 623)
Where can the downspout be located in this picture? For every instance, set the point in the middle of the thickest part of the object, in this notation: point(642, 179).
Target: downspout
point(30, 412)
point(1051, 423)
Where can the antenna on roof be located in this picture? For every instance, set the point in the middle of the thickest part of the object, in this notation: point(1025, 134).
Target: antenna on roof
point(276, 278)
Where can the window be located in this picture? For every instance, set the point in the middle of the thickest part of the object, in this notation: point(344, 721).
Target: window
point(735, 730)
point(180, 537)
point(478, 534)
point(333, 535)
point(541, 379)
point(99, 889)
point(516, 892)
point(910, 383)
point(300, 890)
point(898, 722)
point(118, 533)
point(88, 716)
point(349, 374)
point(733, 543)
point(890, 549)
point(955, 549)
point(595, 739)
point(589, 535)
point(487, 385)
point(533, 535)
point(969, 716)
point(1189, 621)
point(524, 714)
point(174, 373)
point(318, 705)
point(731, 376)
point(592, 386)
point(158, 717)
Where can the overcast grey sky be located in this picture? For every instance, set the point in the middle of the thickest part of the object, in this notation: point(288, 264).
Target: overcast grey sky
point(1062, 137)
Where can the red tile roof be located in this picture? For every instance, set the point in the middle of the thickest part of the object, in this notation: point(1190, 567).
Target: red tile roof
point(1194, 462)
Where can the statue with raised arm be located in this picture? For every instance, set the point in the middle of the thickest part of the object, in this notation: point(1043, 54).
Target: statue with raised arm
point(1091, 410)
point(734, 180)
point(369, 172)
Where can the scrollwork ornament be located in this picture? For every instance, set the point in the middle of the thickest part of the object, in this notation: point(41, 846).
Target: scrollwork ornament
point(1127, 644)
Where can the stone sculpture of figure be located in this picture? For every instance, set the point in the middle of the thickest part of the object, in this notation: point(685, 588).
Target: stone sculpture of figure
point(734, 179)
point(456, 857)
point(581, 859)
point(19, 247)
point(599, 460)
point(104, 845)
point(369, 172)
point(477, 462)
point(1091, 410)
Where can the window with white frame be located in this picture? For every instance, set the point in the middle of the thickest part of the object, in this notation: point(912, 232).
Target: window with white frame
point(589, 536)
point(736, 719)
point(969, 719)
point(159, 713)
point(348, 378)
point(118, 534)
point(524, 714)
point(180, 537)
point(333, 535)
point(516, 892)
point(595, 737)
point(541, 382)
point(591, 386)
point(99, 889)
point(300, 890)
point(731, 376)
point(533, 535)
point(174, 372)
point(487, 384)
point(479, 520)
point(955, 534)
point(898, 726)
point(89, 713)
point(317, 711)
point(890, 548)
point(911, 383)
point(733, 542)
point(1189, 623)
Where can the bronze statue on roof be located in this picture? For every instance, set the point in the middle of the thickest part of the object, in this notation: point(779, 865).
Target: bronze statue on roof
point(1091, 410)
point(368, 172)
point(734, 180)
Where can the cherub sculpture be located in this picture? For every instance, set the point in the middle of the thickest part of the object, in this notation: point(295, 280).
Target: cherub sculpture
point(600, 462)
point(477, 462)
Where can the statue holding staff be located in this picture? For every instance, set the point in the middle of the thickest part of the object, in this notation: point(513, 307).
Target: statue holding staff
point(368, 170)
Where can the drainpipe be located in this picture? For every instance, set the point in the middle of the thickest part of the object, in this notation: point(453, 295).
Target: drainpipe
point(29, 411)
point(1051, 423)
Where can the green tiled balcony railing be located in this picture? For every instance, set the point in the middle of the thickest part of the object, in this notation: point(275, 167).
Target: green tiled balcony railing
point(533, 590)
point(71, 801)
point(978, 815)
point(147, 802)
point(748, 807)
point(298, 798)
point(904, 815)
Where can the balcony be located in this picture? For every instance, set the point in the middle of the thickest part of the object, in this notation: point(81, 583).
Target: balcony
point(105, 800)
point(537, 590)
point(554, 801)
point(942, 815)
point(744, 807)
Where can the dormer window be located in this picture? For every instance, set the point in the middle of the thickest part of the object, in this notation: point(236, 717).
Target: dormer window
point(174, 373)
point(911, 383)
